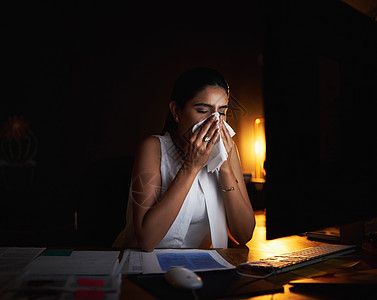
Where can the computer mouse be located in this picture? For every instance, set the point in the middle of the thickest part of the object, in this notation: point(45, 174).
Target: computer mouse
point(183, 278)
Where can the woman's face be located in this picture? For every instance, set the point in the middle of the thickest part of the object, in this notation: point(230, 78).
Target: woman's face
point(211, 99)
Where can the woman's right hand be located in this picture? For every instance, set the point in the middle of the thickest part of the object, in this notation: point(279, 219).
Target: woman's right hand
point(199, 145)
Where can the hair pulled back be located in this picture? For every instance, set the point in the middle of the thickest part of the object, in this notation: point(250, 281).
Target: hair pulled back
point(188, 85)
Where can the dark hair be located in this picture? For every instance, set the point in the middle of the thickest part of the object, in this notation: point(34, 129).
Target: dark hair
point(188, 85)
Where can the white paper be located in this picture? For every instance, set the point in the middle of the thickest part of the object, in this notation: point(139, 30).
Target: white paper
point(123, 261)
point(13, 261)
point(14, 258)
point(133, 263)
point(160, 260)
point(78, 263)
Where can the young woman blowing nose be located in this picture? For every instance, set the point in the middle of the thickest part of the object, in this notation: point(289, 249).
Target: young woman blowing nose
point(187, 188)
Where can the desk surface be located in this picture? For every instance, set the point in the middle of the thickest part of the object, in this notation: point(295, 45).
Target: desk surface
point(259, 247)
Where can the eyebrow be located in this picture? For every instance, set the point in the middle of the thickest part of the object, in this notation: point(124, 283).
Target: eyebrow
point(208, 105)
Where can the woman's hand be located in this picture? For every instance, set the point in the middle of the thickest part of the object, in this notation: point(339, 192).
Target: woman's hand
point(200, 144)
point(228, 143)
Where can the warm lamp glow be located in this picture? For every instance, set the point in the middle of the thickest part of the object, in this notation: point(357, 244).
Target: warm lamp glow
point(260, 149)
point(257, 147)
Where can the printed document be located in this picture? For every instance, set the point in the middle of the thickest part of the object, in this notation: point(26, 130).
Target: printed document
point(161, 260)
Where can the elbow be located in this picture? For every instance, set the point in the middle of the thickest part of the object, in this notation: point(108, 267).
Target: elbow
point(252, 227)
point(144, 239)
point(242, 239)
point(145, 244)
point(244, 236)
point(147, 248)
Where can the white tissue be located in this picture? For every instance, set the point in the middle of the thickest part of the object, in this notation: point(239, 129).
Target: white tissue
point(218, 154)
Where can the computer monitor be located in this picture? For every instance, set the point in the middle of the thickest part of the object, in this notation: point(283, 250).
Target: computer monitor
point(320, 66)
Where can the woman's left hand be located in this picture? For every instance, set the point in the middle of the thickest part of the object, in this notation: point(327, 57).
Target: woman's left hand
point(228, 142)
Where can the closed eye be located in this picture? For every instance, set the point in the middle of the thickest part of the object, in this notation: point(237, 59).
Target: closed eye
point(206, 111)
point(202, 111)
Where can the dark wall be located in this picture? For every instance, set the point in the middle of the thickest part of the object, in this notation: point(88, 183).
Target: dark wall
point(320, 79)
point(94, 80)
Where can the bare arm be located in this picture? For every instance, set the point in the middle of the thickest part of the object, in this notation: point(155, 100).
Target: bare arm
point(239, 213)
point(153, 216)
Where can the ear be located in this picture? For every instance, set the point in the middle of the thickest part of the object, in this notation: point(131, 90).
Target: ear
point(175, 110)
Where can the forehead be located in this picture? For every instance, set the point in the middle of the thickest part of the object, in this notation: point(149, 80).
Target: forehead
point(212, 95)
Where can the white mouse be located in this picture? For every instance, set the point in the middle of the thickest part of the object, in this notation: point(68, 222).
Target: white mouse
point(181, 277)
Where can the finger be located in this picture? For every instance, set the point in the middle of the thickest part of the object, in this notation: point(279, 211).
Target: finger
point(213, 140)
point(193, 135)
point(227, 139)
point(203, 130)
point(225, 132)
point(212, 130)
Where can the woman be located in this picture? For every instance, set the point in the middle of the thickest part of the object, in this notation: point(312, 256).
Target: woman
point(176, 201)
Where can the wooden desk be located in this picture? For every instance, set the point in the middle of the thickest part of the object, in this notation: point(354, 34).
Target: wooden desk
point(259, 247)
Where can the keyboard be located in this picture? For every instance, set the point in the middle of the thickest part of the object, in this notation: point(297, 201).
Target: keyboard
point(296, 259)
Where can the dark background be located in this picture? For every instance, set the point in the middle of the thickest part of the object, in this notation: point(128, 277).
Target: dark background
point(94, 79)
point(320, 92)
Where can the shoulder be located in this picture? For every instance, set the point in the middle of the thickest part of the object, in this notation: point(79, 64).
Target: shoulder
point(149, 146)
point(148, 152)
point(151, 142)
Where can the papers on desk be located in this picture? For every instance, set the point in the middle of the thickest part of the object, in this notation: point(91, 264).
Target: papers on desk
point(68, 274)
point(13, 260)
point(77, 263)
point(64, 274)
point(132, 263)
point(161, 260)
point(64, 287)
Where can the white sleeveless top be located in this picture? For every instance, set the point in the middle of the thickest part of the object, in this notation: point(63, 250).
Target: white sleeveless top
point(198, 231)
point(202, 211)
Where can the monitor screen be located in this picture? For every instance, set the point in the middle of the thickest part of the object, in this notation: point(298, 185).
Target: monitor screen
point(320, 66)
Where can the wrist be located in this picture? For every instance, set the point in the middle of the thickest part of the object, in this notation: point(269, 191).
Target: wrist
point(189, 168)
point(225, 167)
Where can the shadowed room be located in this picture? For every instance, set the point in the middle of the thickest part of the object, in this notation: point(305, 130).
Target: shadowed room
point(83, 85)
point(186, 151)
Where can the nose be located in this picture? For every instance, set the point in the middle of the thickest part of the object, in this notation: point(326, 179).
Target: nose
point(220, 116)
